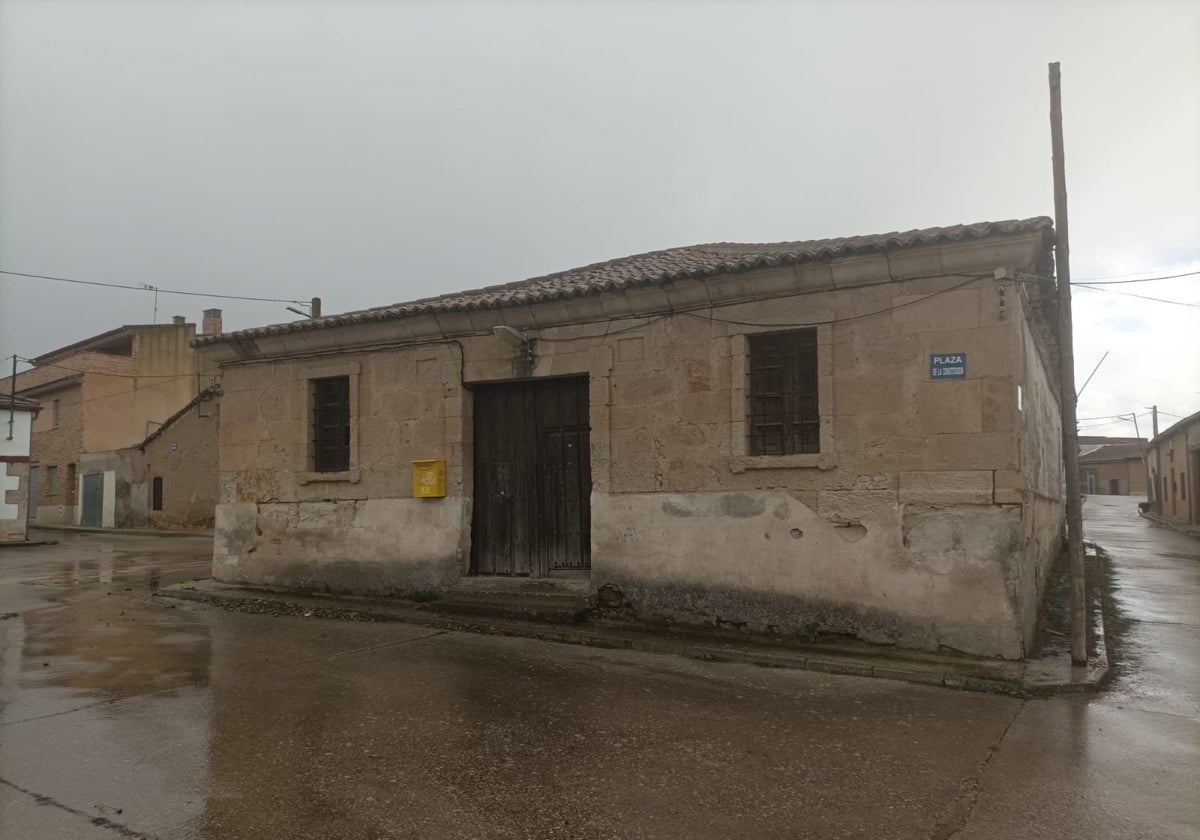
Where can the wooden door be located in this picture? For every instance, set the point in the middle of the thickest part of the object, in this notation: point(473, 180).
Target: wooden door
point(533, 480)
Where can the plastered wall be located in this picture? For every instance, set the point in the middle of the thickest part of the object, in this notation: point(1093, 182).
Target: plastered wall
point(925, 520)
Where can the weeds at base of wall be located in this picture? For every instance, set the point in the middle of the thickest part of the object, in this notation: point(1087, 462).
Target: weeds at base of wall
point(1054, 617)
point(273, 607)
point(424, 596)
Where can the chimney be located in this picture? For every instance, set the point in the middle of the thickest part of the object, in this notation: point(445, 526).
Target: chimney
point(178, 320)
point(315, 308)
point(212, 322)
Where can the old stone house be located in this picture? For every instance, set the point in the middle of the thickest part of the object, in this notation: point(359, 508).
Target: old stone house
point(1173, 467)
point(16, 419)
point(1112, 466)
point(857, 436)
point(169, 480)
point(100, 394)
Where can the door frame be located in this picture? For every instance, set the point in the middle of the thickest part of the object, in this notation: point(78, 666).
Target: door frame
point(83, 506)
point(539, 566)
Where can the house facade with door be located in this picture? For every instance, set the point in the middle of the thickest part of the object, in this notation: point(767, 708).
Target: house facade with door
point(1173, 472)
point(168, 481)
point(856, 436)
point(102, 394)
point(1112, 467)
point(16, 419)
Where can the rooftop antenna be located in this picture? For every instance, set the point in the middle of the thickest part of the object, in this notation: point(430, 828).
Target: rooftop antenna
point(149, 288)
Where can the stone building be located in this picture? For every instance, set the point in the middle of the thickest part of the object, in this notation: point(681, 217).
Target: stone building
point(1112, 466)
point(855, 436)
point(1172, 465)
point(167, 481)
point(16, 419)
point(104, 393)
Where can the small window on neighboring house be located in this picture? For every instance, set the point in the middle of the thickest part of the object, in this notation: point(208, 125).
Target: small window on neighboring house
point(156, 494)
point(1165, 495)
point(331, 424)
point(52, 480)
point(54, 415)
point(1183, 485)
point(784, 418)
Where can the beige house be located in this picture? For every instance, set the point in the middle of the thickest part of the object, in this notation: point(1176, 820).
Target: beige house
point(1173, 465)
point(1112, 466)
point(16, 420)
point(101, 394)
point(855, 436)
point(169, 480)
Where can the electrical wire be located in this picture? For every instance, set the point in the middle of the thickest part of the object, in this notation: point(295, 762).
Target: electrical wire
point(132, 390)
point(105, 373)
point(150, 288)
point(1132, 295)
point(860, 316)
point(605, 334)
point(1113, 281)
point(693, 311)
point(1025, 277)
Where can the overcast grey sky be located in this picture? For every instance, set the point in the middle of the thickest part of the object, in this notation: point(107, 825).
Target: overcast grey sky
point(374, 152)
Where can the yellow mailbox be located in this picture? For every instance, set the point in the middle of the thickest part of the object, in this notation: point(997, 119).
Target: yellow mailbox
point(429, 479)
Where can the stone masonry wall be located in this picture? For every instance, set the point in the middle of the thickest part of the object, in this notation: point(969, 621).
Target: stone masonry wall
point(913, 525)
point(184, 456)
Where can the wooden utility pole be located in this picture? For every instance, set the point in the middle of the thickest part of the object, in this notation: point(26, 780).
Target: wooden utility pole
point(1070, 430)
point(1157, 495)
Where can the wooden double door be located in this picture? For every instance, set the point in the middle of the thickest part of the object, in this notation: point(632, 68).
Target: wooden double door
point(533, 478)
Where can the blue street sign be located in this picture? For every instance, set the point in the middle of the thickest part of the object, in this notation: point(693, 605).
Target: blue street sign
point(948, 366)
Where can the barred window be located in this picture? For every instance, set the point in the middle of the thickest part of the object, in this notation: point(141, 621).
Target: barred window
point(331, 424)
point(784, 417)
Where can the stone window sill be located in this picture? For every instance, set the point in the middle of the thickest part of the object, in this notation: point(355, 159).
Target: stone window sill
point(345, 476)
point(812, 461)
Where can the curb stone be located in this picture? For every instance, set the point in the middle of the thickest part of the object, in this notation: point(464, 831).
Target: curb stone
point(637, 639)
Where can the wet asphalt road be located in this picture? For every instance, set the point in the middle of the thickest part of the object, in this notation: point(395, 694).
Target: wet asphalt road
point(122, 715)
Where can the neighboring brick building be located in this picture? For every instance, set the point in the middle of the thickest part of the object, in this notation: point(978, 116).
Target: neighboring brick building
point(1173, 464)
point(859, 436)
point(1112, 466)
point(16, 420)
point(167, 481)
point(104, 393)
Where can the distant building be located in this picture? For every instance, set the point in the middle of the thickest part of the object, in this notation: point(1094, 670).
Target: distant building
point(104, 393)
point(169, 480)
point(1112, 466)
point(856, 436)
point(16, 420)
point(1173, 466)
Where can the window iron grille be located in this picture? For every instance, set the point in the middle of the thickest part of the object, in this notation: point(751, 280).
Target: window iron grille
point(784, 417)
point(331, 424)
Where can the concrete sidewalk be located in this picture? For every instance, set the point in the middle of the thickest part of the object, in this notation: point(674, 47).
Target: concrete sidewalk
point(1174, 524)
point(1050, 674)
point(134, 532)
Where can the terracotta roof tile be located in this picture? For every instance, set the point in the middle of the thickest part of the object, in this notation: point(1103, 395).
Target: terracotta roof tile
point(691, 262)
